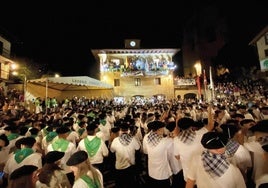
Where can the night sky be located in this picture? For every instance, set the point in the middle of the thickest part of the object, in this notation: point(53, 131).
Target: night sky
point(61, 36)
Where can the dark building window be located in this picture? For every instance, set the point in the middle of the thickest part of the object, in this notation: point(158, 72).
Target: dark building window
point(137, 81)
point(116, 82)
point(1, 47)
point(157, 81)
point(266, 38)
point(266, 52)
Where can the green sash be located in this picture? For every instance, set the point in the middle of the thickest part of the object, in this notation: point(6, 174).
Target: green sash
point(90, 182)
point(12, 136)
point(103, 122)
point(92, 146)
point(81, 131)
point(91, 114)
point(50, 136)
point(60, 145)
point(22, 154)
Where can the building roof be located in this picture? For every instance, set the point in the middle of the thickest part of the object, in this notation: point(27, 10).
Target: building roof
point(259, 35)
point(171, 51)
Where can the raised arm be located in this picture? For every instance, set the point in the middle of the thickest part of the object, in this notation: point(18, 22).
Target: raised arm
point(210, 125)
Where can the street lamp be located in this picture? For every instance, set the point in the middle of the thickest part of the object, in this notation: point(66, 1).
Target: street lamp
point(198, 69)
point(15, 67)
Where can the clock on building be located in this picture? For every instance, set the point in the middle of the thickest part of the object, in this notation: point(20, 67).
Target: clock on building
point(132, 43)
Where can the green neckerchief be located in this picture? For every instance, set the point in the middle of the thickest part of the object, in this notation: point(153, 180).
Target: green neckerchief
point(34, 135)
point(60, 145)
point(103, 122)
point(12, 136)
point(22, 154)
point(81, 131)
point(50, 136)
point(91, 114)
point(90, 182)
point(92, 146)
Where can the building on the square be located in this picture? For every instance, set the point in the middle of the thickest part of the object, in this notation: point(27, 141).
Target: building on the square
point(5, 62)
point(137, 72)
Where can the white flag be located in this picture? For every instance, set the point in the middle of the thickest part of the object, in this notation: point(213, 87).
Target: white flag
point(211, 83)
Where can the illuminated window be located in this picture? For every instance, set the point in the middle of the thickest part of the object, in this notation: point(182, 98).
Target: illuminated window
point(157, 81)
point(116, 82)
point(137, 82)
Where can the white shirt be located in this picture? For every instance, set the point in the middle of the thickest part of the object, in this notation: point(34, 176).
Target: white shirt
point(258, 162)
point(106, 130)
point(186, 151)
point(232, 178)
point(69, 151)
point(101, 153)
point(125, 155)
point(33, 159)
point(174, 163)
point(242, 159)
point(158, 158)
point(80, 183)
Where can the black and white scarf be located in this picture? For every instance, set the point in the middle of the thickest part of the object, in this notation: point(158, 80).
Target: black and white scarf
point(187, 136)
point(263, 140)
point(125, 139)
point(231, 147)
point(153, 138)
point(215, 164)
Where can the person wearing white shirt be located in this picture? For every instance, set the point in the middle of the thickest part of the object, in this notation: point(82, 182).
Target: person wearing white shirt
point(211, 168)
point(159, 150)
point(94, 146)
point(187, 143)
point(125, 147)
point(254, 145)
point(24, 156)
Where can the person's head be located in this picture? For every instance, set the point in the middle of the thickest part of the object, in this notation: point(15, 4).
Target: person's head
point(79, 163)
point(260, 129)
point(185, 123)
point(3, 141)
point(25, 142)
point(239, 117)
point(214, 141)
point(92, 127)
point(53, 157)
point(63, 131)
point(247, 123)
point(157, 126)
point(25, 176)
point(229, 130)
point(124, 127)
point(172, 128)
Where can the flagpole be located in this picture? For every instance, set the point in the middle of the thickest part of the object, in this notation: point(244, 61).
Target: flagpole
point(211, 84)
point(205, 84)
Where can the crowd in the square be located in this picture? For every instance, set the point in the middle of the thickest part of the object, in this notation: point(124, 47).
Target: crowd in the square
point(164, 143)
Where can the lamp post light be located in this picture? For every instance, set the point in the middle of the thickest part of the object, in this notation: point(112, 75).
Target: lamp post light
point(15, 67)
point(198, 69)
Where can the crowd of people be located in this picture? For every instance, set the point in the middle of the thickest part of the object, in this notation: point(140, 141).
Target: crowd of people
point(169, 143)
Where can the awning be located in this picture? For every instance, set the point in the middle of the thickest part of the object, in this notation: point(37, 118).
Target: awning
point(71, 83)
